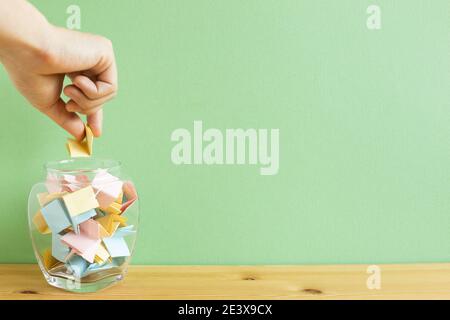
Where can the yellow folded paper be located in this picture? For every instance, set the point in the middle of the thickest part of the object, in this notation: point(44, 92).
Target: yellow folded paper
point(110, 223)
point(101, 255)
point(49, 261)
point(114, 208)
point(107, 223)
point(103, 232)
point(120, 219)
point(45, 198)
point(115, 225)
point(78, 149)
point(120, 198)
point(40, 223)
point(80, 201)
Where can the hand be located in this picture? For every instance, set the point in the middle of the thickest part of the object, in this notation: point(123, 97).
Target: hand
point(38, 61)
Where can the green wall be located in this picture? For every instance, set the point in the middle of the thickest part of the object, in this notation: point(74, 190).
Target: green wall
point(363, 117)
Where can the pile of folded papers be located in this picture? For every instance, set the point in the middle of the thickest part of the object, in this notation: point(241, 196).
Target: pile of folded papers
point(86, 220)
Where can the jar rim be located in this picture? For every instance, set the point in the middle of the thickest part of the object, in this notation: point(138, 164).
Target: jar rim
point(82, 165)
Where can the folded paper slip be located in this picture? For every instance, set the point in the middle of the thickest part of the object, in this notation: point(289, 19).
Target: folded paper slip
point(45, 197)
point(107, 187)
point(83, 245)
point(40, 223)
point(78, 220)
point(49, 261)
point(59, 250)
point(78, 149)
point(73, 183)
point(55, 216)
point(114, 208)
point(80, 201)
point(77, 265)
point(102, 255)
point(117, 247)
point(124, 231)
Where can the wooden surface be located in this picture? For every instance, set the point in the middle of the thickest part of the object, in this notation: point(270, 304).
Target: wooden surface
point(426, 281)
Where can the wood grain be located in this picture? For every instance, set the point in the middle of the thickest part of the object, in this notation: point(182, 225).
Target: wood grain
point(416, 281)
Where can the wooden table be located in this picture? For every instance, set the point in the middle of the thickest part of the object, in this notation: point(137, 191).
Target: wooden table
point(426, 281)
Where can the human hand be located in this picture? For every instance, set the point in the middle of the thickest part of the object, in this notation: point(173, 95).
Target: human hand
point(38, 60)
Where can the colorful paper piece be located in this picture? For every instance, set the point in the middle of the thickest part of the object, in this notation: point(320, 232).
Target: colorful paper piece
point(59, 250)
point(107, 188)
point(41, 198)
point(78, 149)
point(77, 265)
point(80, 201)
point(114, 208)
point(107, 223)
point(90, 228)
point(89, 138)
point(114, 262)
point(127, 205)
point(40, 223)
point(130, 195)
point(102, 255)
point(129, 191)
point(119, 199)
point(83, 245)
point(73, 183)
point(45, 197)
point(115, 226)
point(49, 261)
point(117, 247)
point(96, 267)
point(103, 232)
point(76, 221)
point(55, 216)
point(124, 231)
point(52, 184)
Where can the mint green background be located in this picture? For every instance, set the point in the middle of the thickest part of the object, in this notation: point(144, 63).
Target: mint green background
point(363, 117)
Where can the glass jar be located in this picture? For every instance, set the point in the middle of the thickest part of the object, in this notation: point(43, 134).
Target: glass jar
point(83, 223)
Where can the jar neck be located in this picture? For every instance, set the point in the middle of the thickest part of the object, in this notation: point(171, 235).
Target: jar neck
point(86, 168)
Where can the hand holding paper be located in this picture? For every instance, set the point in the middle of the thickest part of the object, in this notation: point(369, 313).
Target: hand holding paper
point(38, 56)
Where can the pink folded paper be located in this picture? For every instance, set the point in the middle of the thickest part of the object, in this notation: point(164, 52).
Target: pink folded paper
point(129, 191)
point(107, 188)
point(88, 255)
point(73, 183)
point(90, 228)
point(52, 183)
point(86, 243)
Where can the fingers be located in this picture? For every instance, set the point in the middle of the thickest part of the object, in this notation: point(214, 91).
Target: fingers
point(109, 75)
point(69, 121)
point(100, 79)
point(91, 66)
point(72, 106)
point(95, 122)
point(83, 103)
point(93, 90)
